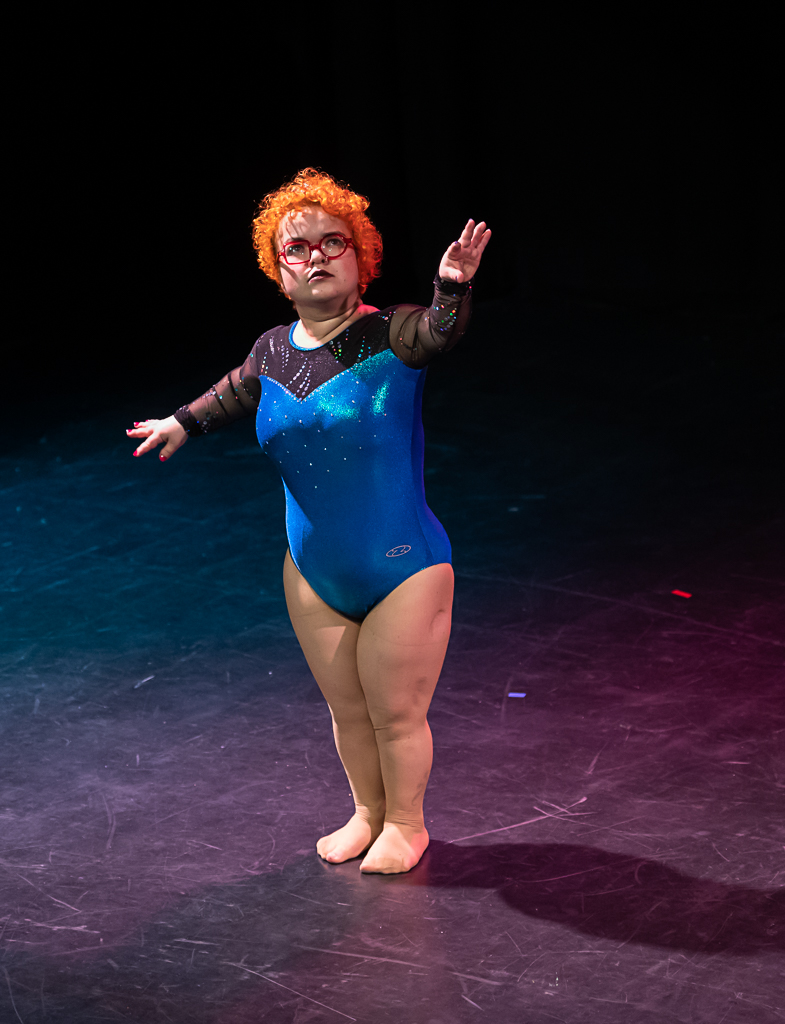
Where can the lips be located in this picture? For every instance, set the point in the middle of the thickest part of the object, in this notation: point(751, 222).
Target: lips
point(318, 275)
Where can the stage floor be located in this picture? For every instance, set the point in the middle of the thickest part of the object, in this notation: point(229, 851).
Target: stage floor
point(607, 848)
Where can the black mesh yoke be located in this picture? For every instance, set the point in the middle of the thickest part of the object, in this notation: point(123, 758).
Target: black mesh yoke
point(414, 334)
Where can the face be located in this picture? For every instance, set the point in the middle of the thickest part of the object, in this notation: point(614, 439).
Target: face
point(319, 283)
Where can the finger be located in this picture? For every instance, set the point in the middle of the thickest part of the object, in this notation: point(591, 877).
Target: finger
point(152, 442)
point(168, 450)
point(148, 426)
point(484, 241)
point(466, 234)
point(477, 235)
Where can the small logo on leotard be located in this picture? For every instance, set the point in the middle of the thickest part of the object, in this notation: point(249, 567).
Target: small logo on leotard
point(400, 550)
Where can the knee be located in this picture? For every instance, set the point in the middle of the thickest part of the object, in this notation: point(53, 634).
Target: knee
point(400, 724)
point(349, 713)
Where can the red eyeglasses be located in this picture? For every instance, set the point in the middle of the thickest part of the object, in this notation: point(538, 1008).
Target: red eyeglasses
point(331, 247)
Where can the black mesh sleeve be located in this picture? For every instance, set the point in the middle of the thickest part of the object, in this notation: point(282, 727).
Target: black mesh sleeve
point(418, 334)
point(234, 396)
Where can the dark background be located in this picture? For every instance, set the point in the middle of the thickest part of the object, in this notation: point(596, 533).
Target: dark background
point(649, 187)
point(605, 439)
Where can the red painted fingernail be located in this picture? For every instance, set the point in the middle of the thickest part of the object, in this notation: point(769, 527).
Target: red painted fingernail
point(162, 458)
point(134, 454)
point(136, 424)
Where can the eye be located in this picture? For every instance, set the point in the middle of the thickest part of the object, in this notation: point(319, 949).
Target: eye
point(333, 245)
point(294, 249)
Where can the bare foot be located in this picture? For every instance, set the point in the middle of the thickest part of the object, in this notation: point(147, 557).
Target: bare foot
point(397, 849)
point(350, 841)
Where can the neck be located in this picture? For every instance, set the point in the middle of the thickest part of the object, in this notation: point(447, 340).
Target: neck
point(318, 323)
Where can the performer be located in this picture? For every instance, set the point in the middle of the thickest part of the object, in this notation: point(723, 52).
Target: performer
point(367, 575)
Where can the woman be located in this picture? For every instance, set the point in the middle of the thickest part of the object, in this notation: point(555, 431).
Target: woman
point(367, 576)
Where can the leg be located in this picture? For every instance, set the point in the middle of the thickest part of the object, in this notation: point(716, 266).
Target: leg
point(329, 642)
point(400, 650)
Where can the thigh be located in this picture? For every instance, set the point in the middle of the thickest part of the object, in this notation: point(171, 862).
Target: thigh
point(401, 646)
point(328, 640)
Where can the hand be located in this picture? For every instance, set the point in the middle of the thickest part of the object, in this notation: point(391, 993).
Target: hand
point(167, 432)
point(461, 260)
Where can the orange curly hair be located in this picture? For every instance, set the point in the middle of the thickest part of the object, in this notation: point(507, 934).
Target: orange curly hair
point(313, 186)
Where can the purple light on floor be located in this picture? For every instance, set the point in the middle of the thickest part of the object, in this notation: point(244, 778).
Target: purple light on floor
point(516, 694)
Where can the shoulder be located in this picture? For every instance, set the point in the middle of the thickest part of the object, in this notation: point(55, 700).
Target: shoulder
point(400, 307)
point(275, 336)
point(389, 323)
point(273, 340)
point(269, 351)
point(399, 314)
point(394, 316)
point(402, 310)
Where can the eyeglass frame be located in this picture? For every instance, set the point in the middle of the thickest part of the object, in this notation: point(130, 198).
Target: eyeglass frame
point(302, 241)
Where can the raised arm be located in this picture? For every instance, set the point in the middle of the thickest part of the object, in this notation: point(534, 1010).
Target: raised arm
point(234, 396)
point(417, 334)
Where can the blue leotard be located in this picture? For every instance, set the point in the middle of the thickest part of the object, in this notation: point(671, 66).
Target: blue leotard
point(343, 425)
point(351, 458)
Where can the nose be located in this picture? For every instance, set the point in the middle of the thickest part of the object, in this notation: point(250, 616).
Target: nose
point(317, 255)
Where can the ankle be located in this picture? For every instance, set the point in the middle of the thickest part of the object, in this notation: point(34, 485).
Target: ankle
point(373, 815)
point(406, 821)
